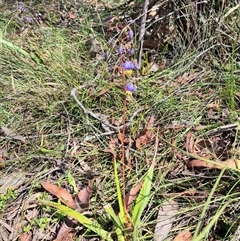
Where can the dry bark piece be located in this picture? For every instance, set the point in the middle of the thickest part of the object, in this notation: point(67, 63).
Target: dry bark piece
point(12, 181)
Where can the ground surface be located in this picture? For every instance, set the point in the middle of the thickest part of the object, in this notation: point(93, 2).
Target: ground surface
point(64, 105)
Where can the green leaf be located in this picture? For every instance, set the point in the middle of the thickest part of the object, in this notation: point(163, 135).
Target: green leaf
point(72, 182)
point(108, 208)
point(142, 201)
point(14, 47)
point(116, 221)
point(119, 195)
point(88, 223)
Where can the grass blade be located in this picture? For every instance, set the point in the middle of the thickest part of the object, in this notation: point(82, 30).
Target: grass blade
point(14, 47)
point(144, 195)
point(116, 221)
point(88, 223)
point(119, 194)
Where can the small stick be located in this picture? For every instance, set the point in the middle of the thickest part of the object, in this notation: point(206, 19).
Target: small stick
point(141, 33)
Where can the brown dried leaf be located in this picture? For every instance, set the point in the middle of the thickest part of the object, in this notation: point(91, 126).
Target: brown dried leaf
point(144, 138)
point(190, 143)
point(60, 193)
point(165, 219)
point(230, 163)
point(146, 135)
point(83, 196)
point(120, 137)
point(150, 122)
point(200, 163)
point(213, 105)
point(64, 232)
point(184, 235)
point(26, 237)
point(8, 132)
point(102, 92)
point(130, 197)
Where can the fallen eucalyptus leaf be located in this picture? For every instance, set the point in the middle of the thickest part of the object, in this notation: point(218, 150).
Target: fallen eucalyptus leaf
point(8, 132)
point(165, 219)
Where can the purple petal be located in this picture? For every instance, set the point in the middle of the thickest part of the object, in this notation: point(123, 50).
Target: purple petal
point(130, 34)
point(131, 21)
point(29, 19)
point(130, 87)
point(131, 51)
point(128, 65)
point(106, 56)
point(120, 50)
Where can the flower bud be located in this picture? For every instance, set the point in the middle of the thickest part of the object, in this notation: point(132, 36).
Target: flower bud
point(130, 34)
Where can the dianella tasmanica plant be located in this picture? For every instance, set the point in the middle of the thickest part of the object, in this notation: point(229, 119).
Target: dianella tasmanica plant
point(127, 221)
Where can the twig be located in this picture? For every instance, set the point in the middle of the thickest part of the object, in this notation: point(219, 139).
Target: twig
point(97, 116)
point(142, 32)
point(222, 129)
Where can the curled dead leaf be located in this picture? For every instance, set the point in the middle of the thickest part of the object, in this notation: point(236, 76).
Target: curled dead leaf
point(184, 235)
point(199, 163)
point(64, 196)
point(190, 145)
point(83, 196)
point(130, 197)
point(65, 233)
point(230, 163)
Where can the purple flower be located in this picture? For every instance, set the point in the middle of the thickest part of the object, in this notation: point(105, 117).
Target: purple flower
point(131, 51)
point(106, 56)
point(130, 87)
point(131, 21)
point(120, 50)
point(28, 19)
point(130, 34)
point(21, 8)
point(128, 65)
point(110, 69)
